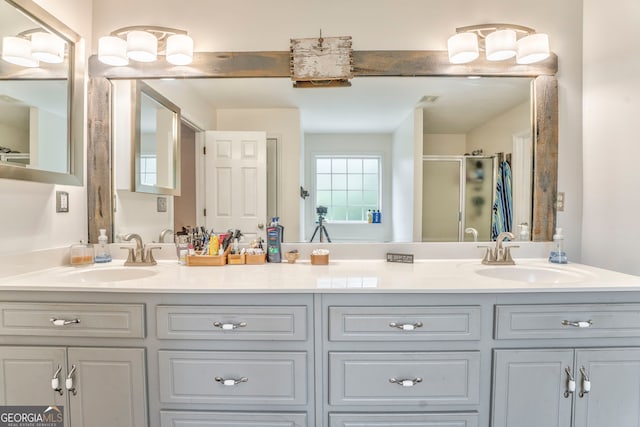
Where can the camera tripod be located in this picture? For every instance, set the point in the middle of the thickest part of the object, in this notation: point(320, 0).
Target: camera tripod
point(321, 229)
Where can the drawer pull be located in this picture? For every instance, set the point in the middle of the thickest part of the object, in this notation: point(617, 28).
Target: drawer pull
point(405, 382)
point(581, 324)
point(68, 384)
point(586, 382)
point(55, 381)
point(571, 383)
point(406, 326)
point(231, 382)
point(63, 322)
point(229, 326)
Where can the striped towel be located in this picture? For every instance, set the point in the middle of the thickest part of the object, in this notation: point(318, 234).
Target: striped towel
point(503, 205)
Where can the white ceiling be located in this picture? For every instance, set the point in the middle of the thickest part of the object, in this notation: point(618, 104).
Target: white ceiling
point(371, 104)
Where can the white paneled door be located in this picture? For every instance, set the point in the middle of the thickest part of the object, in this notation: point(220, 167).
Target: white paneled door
point(235, 182)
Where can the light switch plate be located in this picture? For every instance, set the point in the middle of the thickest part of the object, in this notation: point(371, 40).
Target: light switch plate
point(162, 204)
point(560, 201)
point(62, 201)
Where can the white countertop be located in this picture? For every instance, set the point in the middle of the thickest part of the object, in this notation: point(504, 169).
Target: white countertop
point(352, 276)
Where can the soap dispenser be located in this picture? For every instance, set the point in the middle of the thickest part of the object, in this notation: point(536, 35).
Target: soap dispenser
point(103, 254)
point(557, 255)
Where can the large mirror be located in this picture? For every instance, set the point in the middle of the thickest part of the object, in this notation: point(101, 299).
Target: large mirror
point(533, 98)
point(41, 99)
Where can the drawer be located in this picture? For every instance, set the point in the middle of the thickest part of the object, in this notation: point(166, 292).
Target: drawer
point(236, 419)
point(469, 419)
point(567, 321)
point(72, 320)
point(404, 323)
point(432, 378)
point(280, 323)
point(226, 377)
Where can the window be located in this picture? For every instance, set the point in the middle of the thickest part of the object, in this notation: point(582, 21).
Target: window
point(349, 186)
point(147, 170)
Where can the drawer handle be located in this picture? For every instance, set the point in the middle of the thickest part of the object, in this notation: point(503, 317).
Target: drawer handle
point(571, 383)
point(580, 324)
point(63, 322)
point(586, 382)
point(406, 326)
point(231, 382)
point(405, 382)
point(229, 326)
point(55, 381)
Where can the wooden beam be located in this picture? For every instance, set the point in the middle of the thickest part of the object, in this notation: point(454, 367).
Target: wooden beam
point(545, 180)
point(99, 179)
point(278, 64)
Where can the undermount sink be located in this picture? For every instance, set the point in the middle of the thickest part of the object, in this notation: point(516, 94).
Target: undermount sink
point(111, 274)
point(534, 274)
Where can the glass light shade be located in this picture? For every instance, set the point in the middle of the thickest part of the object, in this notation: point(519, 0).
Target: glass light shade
point(47, 47)
point(112, 50)
point(463, 48)
point(17, 50)
point(500, 45)
point(532, 48)
point(142, 46)
point(179, 49)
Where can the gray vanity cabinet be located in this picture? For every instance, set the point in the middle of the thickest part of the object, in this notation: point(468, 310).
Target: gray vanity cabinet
point(541, 387)
point(98, 387)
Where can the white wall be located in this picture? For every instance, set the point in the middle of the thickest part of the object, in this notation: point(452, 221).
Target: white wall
point(611, 149)
point(444, 144)
point(496, 135)
point(284, 124)
point(402, 178)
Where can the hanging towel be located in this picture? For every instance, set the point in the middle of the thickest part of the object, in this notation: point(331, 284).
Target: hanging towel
point(503, 205)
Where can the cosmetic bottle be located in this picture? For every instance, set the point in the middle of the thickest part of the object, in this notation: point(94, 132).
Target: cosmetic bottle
point(103, 254)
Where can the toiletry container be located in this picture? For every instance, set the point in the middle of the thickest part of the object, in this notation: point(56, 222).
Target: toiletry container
point(103, 254)
point(274, 238)
point(557, 255)
point(81, 254)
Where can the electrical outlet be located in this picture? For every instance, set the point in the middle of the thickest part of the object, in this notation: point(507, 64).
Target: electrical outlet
point(560, 201)
point(162, 204)
point(62, 201)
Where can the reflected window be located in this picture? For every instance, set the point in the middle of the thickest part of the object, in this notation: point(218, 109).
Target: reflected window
point(148, 171)
point(349, 186)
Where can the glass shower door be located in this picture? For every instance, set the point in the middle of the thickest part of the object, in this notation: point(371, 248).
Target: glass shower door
point(441, 199)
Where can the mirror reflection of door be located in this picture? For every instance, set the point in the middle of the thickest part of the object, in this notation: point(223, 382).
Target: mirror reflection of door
point(236, 182)
point(184, 205)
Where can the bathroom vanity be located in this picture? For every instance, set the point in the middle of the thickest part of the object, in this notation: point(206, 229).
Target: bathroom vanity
point(355, 343)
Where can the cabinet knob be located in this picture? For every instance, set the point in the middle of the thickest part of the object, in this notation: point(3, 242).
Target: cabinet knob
point(229, 326)
point(231, 381)
point(406, 326)
point(405, 382)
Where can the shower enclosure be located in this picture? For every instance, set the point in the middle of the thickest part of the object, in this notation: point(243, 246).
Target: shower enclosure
point(458, 195)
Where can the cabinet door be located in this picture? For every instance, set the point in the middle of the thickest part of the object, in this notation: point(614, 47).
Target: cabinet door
point(614, 399)
point(529, 388)
point(110, 387)
point(26, 374)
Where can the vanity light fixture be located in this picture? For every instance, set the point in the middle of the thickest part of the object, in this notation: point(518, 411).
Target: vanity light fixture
point(142, 44)
point(30, 47)
point(500, 42)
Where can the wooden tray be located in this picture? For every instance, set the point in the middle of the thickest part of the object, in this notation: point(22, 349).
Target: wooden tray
point(255, 259)
point(236, 259)
point(319, 259)
point(207, 260)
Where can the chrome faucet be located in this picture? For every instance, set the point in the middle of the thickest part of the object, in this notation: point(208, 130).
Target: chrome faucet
point(500, 255)
point(142, 255)
point(473, 232)
point(163, 235)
